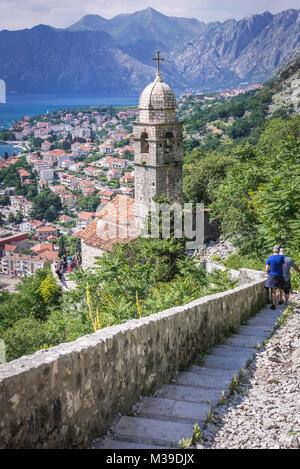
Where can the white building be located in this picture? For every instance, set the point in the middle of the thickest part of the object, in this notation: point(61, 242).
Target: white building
point(47, 174)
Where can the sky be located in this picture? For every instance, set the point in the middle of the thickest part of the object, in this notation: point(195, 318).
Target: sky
point(20, 14)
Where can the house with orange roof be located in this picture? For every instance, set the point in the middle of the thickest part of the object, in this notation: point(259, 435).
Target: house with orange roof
point(45, 231)
point(66, 219)
point(68, 199)
point(46, 146)
point(88, 191)
point(10, 249)
point(113, 174)
point(31, 225)
point(107, 195)
point(49, 255)
point(39, 248)
point(84, 219)
point(23, 175)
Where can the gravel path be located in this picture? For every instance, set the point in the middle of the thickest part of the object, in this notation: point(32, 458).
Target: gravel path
point(264, 410)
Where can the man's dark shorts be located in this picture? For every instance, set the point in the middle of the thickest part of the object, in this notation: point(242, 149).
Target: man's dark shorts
point(275, 281)
point(287, 287)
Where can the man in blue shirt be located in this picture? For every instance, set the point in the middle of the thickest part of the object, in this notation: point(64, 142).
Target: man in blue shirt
point(288, 263)
point(274, 270)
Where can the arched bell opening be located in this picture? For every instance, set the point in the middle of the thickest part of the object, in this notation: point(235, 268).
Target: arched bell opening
point(144, 143)
point(168, 146)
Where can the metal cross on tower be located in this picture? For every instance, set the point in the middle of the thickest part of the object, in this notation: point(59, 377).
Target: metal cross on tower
point(158, 58)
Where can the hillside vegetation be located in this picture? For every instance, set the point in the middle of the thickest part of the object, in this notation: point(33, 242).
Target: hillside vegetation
point(251, 183)
point(227, 124)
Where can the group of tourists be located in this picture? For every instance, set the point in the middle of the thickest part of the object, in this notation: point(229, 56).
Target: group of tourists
point(68, 264)
point(278, 269)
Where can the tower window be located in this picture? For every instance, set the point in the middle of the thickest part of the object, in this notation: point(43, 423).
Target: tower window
point(144, 143)
point(168, 147)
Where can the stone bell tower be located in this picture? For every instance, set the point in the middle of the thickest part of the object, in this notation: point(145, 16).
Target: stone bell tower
point(157, 147)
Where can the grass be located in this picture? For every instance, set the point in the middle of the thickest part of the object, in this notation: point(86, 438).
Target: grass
point(197, 436)
point(237, 261)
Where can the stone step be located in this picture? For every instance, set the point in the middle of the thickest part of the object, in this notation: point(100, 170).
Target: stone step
point(234, 363)
point(245, 340)
point(255, 330)
point(274, 316)
point(189, 394)
point(151, 431)
point(257, 321)
point(114, 444)
point(188, 378)
point(213, 373)
point(232, 351)
point(171, 410)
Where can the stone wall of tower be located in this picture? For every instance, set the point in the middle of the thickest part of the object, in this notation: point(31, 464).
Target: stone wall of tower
point(157, 115)
point(157, 172)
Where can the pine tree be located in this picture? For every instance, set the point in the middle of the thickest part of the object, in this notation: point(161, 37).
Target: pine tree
point(61, 244)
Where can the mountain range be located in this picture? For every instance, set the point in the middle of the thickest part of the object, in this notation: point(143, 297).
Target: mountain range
point(114, 57)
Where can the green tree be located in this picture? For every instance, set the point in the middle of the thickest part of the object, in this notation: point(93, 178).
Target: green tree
point(202, 174)
point(11, 218)
point(49, 290)
point(61, 245)
point(46, 205)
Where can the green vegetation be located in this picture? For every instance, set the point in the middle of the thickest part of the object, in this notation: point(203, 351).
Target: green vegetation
point(130, 281)
point(46, 205)
point(135, 280)
point(237, 261)
point(253, 192)
point(241, 119)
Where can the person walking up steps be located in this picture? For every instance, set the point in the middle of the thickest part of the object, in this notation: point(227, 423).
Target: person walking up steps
point(287, 287)
point(274, 270)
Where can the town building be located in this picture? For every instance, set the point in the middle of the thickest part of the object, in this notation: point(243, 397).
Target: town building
point(20, 204)
point(84, 219)
point(20, 240)
point(45, 231)
point(21, 265)
point(31, 225)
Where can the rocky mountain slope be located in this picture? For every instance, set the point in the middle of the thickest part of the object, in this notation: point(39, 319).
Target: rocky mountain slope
point(115, 56)
point(286, 85)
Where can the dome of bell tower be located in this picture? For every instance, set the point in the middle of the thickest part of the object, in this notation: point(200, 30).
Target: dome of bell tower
point(157, 102)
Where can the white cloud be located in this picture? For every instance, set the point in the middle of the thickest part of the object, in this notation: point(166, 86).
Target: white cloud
point(19, 14)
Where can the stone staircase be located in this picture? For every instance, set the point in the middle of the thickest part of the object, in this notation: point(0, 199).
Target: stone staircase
point(162, 420)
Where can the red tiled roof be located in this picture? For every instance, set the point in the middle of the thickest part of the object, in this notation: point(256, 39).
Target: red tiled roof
point(115, 223)
point(38, 248)
point(10, 247)
point(65, 218)
point(49, 255)
point(86, 215)
point(23, 172)
point(36, 223)
point(46, 229)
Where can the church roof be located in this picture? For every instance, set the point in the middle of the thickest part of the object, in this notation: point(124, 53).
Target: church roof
point(157, 95)
point(115, 223)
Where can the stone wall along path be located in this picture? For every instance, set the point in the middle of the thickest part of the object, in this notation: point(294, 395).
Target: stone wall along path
point(163, 419)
